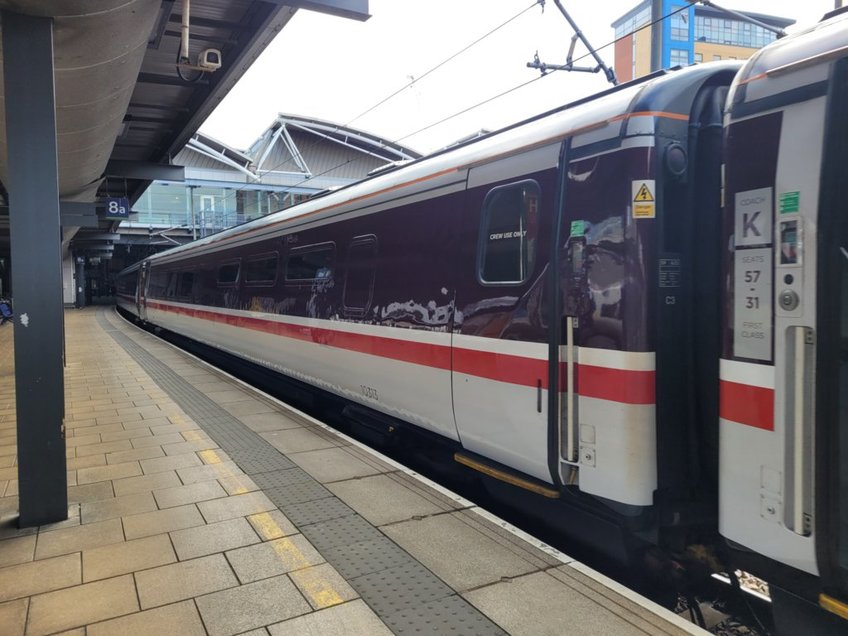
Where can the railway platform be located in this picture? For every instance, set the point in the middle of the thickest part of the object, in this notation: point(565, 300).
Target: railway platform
point(199, 505)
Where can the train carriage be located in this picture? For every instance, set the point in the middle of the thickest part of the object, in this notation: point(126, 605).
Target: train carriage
point(565, 306)
point(783, 484)
point(428, 294)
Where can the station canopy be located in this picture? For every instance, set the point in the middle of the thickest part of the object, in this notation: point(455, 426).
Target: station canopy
point(124, 108)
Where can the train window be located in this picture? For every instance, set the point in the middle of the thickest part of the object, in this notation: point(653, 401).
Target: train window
point(157, 284)
point(507, 246)
point(228, 273)
point(311, 262)
point(186, 284)
point(360, 268)
point(261, 270)
point(171, 285)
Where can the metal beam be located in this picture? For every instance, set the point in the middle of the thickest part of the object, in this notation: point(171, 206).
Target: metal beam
point(80, 220)
point(88, 246)
point(146, 170)
point(75, 214)
point(37, 273)
point(167, 80)
point(101, 236)
point(76, 208)
point(353, 9)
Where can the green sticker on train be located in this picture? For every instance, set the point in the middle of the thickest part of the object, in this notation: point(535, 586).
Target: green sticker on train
point(789, 202)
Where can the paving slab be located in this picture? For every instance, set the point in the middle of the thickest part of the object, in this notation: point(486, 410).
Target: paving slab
point(553, 605)
point(35, 577)
point(457, 553)
point(184, 580)
point(273, 558)
point(13, 616)
point(333, 464)
point(215, 537)
point(83, 537)
point(381, 500)
point(250, 606)
point(17, 550)
point(126, 557)
point(81, 605)
point(182, 617)
point(354, 617)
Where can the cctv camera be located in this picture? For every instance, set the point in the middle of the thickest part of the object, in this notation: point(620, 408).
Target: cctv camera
point(209, 59)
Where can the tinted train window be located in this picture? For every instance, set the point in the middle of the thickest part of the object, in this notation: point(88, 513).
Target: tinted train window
point(228, 273)
point(311, 262)
point(360, 268)
point(157, 283)
point(261, 270)
point(507, 247)
point(186, 284)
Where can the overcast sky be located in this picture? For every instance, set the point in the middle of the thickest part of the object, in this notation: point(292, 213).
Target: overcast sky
point(335, 69)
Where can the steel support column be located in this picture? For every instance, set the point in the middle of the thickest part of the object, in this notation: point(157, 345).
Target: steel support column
point(37, 271)
point(656, 34)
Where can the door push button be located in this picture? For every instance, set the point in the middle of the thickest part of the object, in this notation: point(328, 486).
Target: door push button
point(788, 300)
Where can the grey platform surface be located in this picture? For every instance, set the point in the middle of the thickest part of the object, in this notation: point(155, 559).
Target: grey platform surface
point(200, 505)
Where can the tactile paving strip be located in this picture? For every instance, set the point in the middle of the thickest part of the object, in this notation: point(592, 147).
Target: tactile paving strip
point(366, 557)
point(258, 460)
point(449, 615)
point(341, 531)
point(302, 514)
point(284, 496)
point(407, 596)
point(399, 588)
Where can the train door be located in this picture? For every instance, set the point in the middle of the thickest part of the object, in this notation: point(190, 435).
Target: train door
point(141, 290)
point(500, 338)
point(604, 411)
point(782, 476)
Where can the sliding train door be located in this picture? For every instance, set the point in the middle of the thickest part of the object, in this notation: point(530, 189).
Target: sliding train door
point(500, 339)
point(604, 409)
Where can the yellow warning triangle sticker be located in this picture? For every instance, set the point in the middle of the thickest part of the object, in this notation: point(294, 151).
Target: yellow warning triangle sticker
point(644, 194)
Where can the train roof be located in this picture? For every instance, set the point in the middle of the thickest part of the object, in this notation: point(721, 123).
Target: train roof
point(767, 73)
point(626, 110)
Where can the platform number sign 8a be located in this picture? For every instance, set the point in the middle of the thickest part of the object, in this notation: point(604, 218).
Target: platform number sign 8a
point(117, 208)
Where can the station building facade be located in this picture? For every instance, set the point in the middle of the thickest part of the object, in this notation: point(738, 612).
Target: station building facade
point(692, 34)
point(294, 159)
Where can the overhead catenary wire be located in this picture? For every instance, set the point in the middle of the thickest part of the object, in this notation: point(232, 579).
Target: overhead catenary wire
point(464, 110)
point(445, 61)
point(339, 127)
point(499, 95)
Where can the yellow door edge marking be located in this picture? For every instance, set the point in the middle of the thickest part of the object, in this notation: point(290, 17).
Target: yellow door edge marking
point(508, 478)
point(833, 605)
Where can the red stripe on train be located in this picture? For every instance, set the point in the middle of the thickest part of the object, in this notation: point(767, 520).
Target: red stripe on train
point(501, 366)
point(746, 404)
point(618, 385)
point(416, 352)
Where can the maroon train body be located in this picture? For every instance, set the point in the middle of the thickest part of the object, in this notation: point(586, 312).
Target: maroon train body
point(554, 301)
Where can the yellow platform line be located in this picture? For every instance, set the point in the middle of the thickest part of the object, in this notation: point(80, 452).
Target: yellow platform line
point(316, 587)
point(210, 457)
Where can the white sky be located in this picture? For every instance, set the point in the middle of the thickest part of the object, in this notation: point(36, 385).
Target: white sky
point(334, 69)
